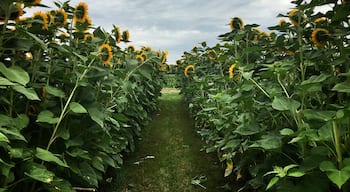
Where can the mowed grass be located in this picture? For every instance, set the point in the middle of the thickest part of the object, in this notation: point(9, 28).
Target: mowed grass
point(169, 156)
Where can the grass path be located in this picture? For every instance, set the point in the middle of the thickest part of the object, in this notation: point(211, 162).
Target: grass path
point(169, 157)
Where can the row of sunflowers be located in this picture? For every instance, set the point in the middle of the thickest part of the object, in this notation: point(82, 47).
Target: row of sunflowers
point(275, 106)
point(72, 101)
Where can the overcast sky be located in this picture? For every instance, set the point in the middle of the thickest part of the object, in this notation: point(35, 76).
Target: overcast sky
point(179, 25)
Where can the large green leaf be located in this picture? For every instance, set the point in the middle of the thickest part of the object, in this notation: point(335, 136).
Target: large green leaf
point(342, 87)
point(15, 74)
point(319, 115)
point(40, 173)
point(5, 82)
point(28, 92)
point(268, 142)
point(13, 134)
point(96, 115)
point(47, 156)
point(77, 108)
point(88, 173)
point(5, 168)
point(338, 177)
point(285, 104)
point(47, 117)
point(55, 91)
point(60, 185)
point(316, 79)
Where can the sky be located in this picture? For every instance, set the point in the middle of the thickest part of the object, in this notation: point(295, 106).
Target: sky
point(179, 25)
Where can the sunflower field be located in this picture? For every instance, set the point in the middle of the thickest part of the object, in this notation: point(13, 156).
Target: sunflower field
point(72, 101)
point(275, 107)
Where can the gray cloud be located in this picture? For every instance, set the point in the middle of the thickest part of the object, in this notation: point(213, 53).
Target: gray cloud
point(179, 25)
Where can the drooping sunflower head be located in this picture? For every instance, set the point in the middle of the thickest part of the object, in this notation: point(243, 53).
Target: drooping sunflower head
point(211, 54)
point(131, 48)
point(81, 12)
point(231, 70)
point(320, 36)
point(294, 15)
point(126, 36)
point(16, 11)
point(188, 69)
point(140, 58)
point(236, 23)
point(42, 19)
point(165, 56)
point(88, 37)
point(106, 54)
point(281, 22)
point(60, 18)
point(163, 67)
point(117, 34)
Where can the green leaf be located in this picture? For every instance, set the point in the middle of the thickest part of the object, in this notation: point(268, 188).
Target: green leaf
point(272, 182)
point(3, 138)
point(55, 91)
point(38, 40)
point(285, 104)
point(21, 121)
point(316, 79)
point(77, 108)
point(297, 173)
point(5, 82)
point(13, 134)
point(15, 74)
point(49, 157)
point(60, 185)
point(88, 173)
point(28, 92)
point(231, 144)
point(40, 173)
point(342, 87)
point(268, 142)
point(338, 177)
point(96, 115)
point(18, 44)
point(5, 168)
point(318, 115)
point(47, 117)
point(286, 132)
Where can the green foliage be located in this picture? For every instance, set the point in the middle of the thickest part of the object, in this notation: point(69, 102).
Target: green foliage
point(277, 101)
point(67, 113)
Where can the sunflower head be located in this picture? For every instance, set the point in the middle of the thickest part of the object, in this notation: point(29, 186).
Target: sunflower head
point(320, 36)
point(211, 54)
point(117, 34)
point(163, 67)
point(294, 16)
point(106, 54)
point(236, 23)
point(131, 48)
point(140, 58)
point(126, 36)
point(42, 18)
point(165, 56)
point(188, 69)
point(282, 22)
point(60, 18)
point(88, 37)
point(16, 11)
point(81, 12)
point(231, 70)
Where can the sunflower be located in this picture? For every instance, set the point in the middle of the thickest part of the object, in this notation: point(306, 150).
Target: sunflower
point(140, 58)
point(131, 48)
point(81, 12)
point(282, 22)
point(126, 36)
point(163, 67)
point(88, 36)
point(165, 56)
point(39, 15)
point(147, 48)
point(294, 17)
point(211, 54)
point(106, 54)
point(236, 23)
point(60, 18)
point(117, 34)
point(50, 18)
point(17, 12)
point(320, 20)
point(188, 67)
point(231, 70)
point(320, 36)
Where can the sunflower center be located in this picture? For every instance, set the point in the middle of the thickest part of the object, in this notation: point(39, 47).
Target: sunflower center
point(322, 36)
point(104, 54)
point(80, 12)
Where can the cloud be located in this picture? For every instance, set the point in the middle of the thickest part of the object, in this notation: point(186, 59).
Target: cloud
point(179, 25)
